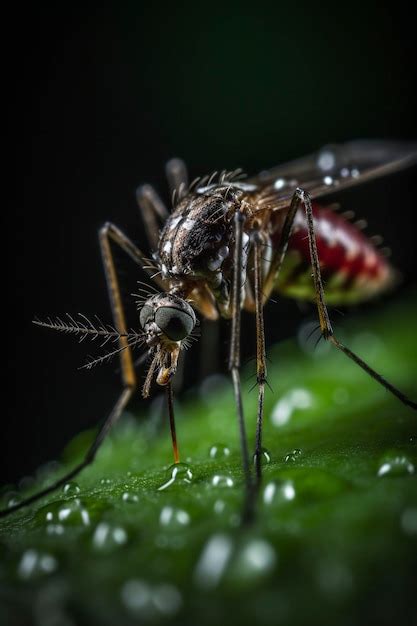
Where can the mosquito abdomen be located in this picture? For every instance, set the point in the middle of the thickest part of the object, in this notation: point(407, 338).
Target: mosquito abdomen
point(352, 267)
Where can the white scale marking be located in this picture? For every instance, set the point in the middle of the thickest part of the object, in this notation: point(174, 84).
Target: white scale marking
point(188, 224)
point(174, 222)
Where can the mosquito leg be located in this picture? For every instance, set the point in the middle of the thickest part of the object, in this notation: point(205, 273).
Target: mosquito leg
point(279, 254)
point(110, 232)
point(260, 352)
point(107, 232)
point(170, 403)
point(301, 197)
point(153, 212)
point(89, 457)
point(234, 357)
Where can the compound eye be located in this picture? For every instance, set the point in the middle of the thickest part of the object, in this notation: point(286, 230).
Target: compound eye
point(175, 324)
point(145, 315)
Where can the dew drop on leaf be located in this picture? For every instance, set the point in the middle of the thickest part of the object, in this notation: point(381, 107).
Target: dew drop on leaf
point(130, 497)
point(13, 499)
point(294, 400)
point(213, 561)
point(34, 564)
point(55, 529)
point(221, 480)
point(265, 457)
point(254, 561)
point(106, 537)
point(219, 451)
point(293, 456)
point(277, 492)
point(177, 474)
point(409, 521)
point(71, 489)
point(72, 513)
point(166, 599)
point(136, 596)
point(398, 465)
point(219, 506)
point(173, 517)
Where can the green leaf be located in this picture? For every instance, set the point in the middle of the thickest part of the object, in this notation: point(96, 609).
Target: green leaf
point(335, 538)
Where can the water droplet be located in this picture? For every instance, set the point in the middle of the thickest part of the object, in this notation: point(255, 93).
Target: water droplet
point(265, 457)
point(71, 489)
point(293, 456)
point(326, 160)
point(292, 401)
point(106, 481)
point(130, 497)
point(179, 473)
point(254, 561)
point(277, 492)
point(409, 521)
point(219, 506)
point(55, 529)
point(398, 465)
point(146, 601)
point(173, 517)
point(136, 596)
point(34, 563)
point(213, 561)
point(72, 513)
point(279, 183)
point(12, 498)
point(107, 537)
point(166, 599)
point(220, 480)
point(219, 451)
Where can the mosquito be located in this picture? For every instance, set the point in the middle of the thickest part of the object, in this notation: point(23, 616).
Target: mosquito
point(227, 245)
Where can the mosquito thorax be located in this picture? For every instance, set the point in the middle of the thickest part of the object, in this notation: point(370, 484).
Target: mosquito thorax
point(168, 317)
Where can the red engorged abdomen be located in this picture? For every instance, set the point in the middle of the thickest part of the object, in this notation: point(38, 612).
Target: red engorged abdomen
point(353, 269)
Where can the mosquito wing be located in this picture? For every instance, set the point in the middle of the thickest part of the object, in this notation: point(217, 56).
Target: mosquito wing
point(336, 167)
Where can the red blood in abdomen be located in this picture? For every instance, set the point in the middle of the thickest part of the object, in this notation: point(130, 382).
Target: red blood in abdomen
point(341, 246)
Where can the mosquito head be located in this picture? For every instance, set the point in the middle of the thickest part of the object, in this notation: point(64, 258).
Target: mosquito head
point(166, 319)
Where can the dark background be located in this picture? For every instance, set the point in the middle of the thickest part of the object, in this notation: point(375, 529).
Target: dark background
point(102, 98)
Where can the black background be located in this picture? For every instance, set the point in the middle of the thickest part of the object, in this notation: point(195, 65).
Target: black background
point(101, 98)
